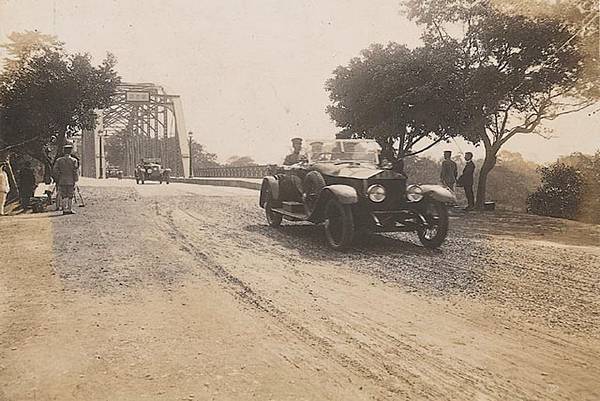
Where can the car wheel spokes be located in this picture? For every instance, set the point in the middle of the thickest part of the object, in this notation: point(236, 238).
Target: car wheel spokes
point(334, 222)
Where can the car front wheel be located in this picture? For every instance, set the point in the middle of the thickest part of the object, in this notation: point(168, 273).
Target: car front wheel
point(434, 231)
point(339, 224)
point(273, 219)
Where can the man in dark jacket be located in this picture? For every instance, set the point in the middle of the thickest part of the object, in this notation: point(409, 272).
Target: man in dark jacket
point(27, 184)
point(466, 180)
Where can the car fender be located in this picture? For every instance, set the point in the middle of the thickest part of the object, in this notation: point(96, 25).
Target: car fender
point(344, 194)
point(439, 193)
point(269, 184)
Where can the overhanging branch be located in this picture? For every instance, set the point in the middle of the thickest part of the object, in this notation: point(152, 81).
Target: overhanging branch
point(426, 147)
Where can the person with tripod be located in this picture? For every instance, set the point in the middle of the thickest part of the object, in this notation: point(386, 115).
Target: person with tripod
point(66, 175)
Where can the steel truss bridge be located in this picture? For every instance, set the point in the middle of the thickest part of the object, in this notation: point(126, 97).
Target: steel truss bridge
point(149, 123)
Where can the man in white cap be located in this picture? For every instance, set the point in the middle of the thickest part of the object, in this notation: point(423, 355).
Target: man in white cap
point(296, 156)
point(66, 175)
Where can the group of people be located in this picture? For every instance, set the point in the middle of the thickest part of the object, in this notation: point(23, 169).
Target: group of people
point(317, 152)
point(449, 176)
point(66, 175)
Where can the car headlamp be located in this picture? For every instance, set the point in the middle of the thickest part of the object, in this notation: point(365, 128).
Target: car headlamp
point(149, 171)
point(414, 193)
point(376, 193)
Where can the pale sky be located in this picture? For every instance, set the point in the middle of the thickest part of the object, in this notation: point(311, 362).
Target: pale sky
point(251, 74)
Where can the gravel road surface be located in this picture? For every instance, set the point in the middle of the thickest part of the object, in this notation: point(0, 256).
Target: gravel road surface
point(182, 292)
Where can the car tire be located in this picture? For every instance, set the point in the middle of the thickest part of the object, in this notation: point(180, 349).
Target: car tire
point(437, 213)
point(273, 219)
point(339, 224)
point(312, 186)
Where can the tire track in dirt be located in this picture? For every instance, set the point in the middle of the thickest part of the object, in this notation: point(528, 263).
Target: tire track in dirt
point(403, 361)
point(478, 281)
point(251, 298)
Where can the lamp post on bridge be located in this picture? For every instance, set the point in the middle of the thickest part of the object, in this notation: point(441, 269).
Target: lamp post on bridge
point(190, 135)
point(101, 153)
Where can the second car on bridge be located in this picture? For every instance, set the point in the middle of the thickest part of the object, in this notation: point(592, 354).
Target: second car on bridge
point(151, 170)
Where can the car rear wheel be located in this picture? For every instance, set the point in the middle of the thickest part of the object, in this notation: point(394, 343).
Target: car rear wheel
point(273, 218)
point(339, 224)
point(434, 232)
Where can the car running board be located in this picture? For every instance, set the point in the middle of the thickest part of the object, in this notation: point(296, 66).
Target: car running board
point(290, 215)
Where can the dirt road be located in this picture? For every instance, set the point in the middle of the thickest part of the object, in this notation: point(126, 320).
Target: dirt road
point(182, 292)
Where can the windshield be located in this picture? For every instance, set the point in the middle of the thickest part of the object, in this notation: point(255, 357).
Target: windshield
point(338, 150)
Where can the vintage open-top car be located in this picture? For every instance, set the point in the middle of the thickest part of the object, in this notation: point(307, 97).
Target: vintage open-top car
point(343, 184)
point(151, 170)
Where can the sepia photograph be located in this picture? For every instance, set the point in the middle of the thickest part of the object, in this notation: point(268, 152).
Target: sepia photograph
point(283, 200)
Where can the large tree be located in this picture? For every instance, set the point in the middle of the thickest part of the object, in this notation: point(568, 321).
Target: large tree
point(48, 94)
point(517, 69)
point(201, 158)
point(400, 97)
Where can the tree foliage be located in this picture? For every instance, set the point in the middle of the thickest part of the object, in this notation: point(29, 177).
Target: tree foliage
point(115, 149)
point(240, 161)
point(201, 158)
point(512, 181)
point(400, 97)
point(48, 94)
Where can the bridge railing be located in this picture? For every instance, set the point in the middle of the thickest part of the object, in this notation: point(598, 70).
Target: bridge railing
point(236, 172)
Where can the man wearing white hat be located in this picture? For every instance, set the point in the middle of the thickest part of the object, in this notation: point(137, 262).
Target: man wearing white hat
point(66, 175)
point(296, 156)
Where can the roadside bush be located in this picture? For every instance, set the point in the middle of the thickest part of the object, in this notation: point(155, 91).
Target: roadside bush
point(560, 194)
point(589, 166)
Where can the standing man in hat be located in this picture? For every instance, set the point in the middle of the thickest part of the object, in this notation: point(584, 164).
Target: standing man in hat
point(466, 180)
point(27, 184)
point(449, 170)
point(295, 156)
point(67, 175)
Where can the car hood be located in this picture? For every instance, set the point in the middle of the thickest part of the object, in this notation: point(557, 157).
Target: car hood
point(361, 171)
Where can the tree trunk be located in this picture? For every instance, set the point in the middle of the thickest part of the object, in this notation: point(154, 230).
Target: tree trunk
point(488, 164)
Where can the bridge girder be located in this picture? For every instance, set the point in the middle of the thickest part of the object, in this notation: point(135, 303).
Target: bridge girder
point(152, 123)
